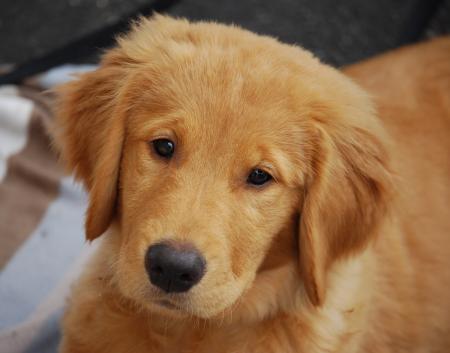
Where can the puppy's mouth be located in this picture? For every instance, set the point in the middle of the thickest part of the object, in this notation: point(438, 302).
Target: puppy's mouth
point(166, 304)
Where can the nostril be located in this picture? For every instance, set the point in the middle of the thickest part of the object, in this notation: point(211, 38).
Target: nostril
point(157, 270)
point(186, 277)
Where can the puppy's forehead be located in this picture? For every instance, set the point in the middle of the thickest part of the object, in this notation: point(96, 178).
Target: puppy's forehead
point(217, 90)
point(211, 71)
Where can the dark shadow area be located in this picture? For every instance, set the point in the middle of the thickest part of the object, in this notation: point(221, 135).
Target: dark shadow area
point(39, 34)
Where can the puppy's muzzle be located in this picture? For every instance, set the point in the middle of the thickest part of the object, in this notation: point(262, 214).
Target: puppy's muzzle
point(175, 268)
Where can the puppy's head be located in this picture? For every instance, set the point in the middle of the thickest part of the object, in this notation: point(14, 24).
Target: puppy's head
point(221, 155)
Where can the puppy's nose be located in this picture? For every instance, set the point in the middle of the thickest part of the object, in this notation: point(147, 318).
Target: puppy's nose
point(174, 268)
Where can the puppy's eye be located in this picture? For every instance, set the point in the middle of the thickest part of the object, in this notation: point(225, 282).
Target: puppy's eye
point(164, 147)
point(258, 177)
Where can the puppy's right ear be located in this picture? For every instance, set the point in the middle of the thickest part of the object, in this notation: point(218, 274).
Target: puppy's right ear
point(89, 132)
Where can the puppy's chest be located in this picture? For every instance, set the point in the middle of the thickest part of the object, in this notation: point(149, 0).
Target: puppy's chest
point(262, 339)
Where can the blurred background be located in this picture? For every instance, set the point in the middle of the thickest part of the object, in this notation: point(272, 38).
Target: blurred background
point(42, 245)
point(46, 33)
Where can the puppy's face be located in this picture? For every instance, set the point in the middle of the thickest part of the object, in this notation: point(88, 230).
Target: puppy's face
point(205, 143)
point(211, 172)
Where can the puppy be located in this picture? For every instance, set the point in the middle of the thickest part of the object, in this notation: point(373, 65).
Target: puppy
point(249, 200)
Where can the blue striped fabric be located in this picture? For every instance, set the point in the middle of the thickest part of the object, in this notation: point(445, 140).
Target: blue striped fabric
point(43, 259)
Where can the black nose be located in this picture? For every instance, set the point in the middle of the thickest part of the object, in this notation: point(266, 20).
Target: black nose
point(174, 268)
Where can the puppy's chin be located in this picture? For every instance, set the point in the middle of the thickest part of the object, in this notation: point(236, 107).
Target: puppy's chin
point(166, 308)
point(202, 302)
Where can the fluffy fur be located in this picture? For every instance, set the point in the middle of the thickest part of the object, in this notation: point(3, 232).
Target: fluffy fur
point(346, 250)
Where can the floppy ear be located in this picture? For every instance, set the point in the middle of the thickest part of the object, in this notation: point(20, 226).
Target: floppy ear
point(89, 132)
point(344, 199)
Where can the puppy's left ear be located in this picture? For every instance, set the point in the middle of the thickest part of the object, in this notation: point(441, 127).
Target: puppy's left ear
point(347, 193)
point(89, 132)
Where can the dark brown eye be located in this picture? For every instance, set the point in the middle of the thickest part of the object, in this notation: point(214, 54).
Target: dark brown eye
point(164, 147)
point(258, 177)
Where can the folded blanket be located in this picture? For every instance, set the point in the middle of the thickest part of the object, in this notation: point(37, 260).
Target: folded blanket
point(41, 222)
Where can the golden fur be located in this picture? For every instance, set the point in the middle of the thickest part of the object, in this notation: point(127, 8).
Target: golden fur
point(347, 250)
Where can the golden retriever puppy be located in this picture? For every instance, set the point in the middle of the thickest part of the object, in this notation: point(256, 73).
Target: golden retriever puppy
point(248, 198)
